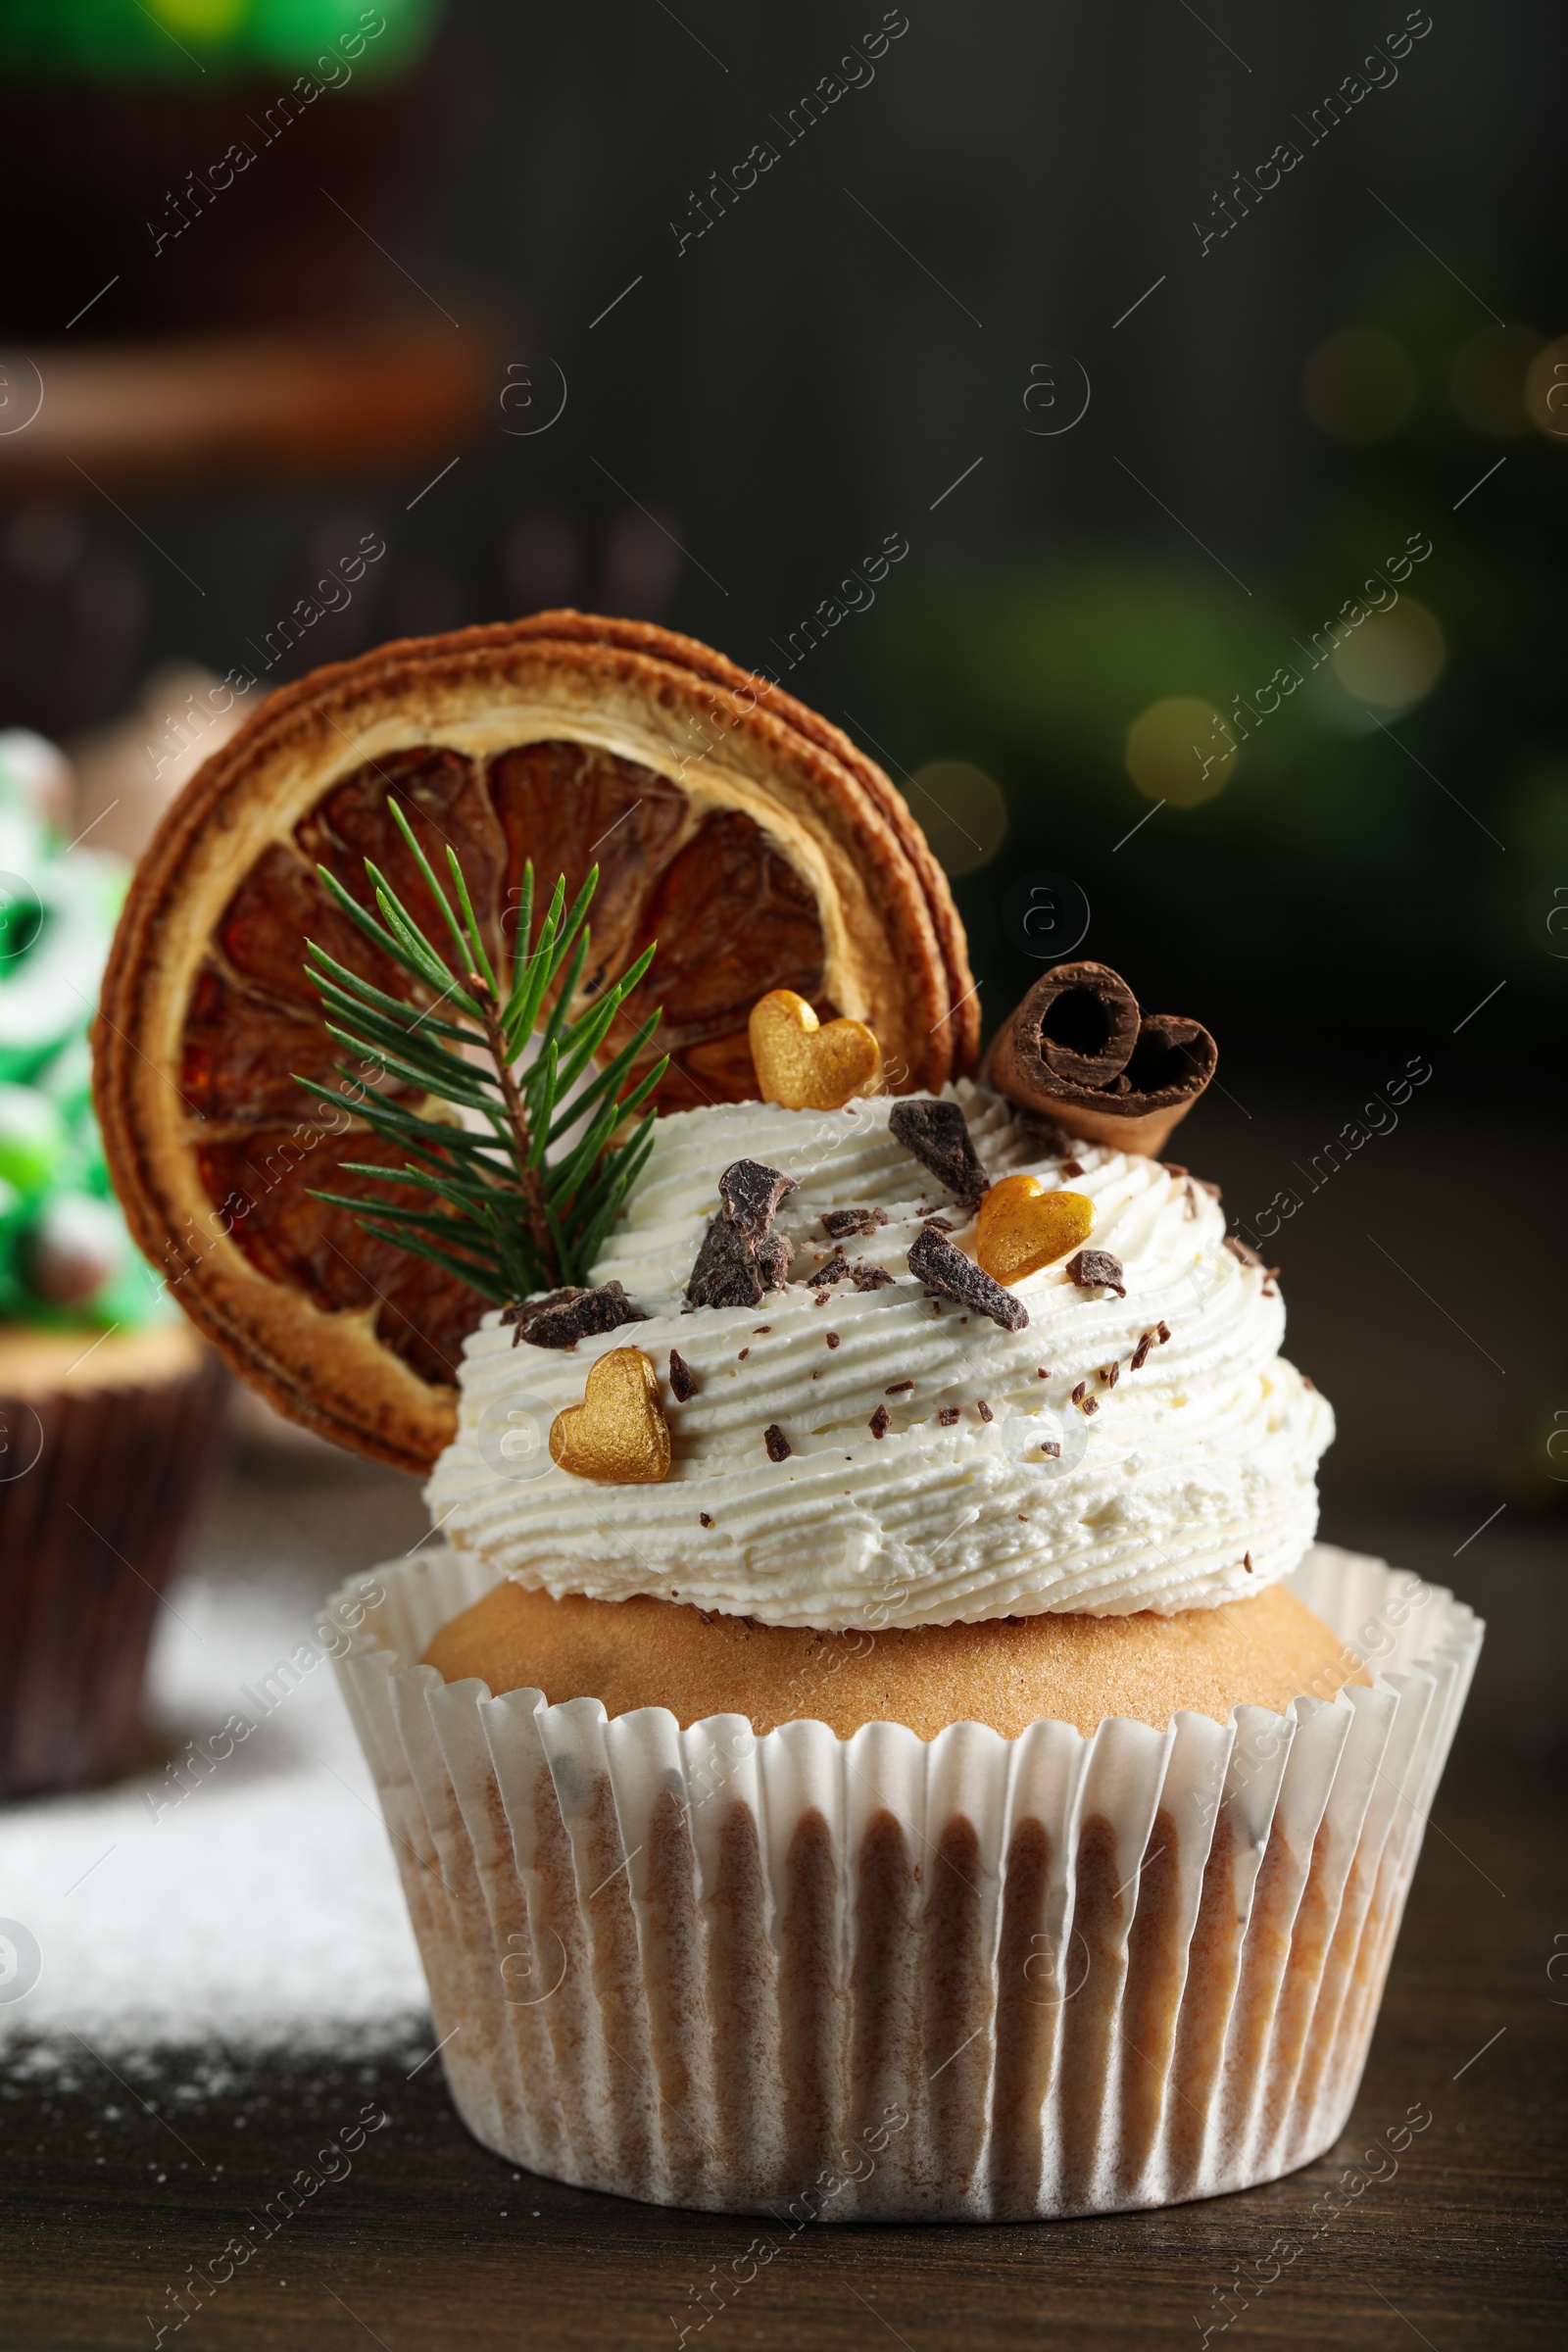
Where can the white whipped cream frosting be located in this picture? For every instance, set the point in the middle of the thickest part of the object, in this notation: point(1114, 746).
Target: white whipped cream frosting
point(1199, 1461)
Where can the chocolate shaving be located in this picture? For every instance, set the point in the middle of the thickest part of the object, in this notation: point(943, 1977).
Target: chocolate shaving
point(1097, 1270)
point(1033, 1128)
point(1108, 1374)
point(984, 1409)
point(1242, 1249)
point(835, 1269)
point(897, 1387)
point(1162, 1333)
point(947, 1414)
point(839, 1223)
point(937, 1135)
point(866, 1277)
point(1141, 1352)
point(563, 1317)
point(1051, 1449)
point(1072, 1167)
point(1174, 1168)
point(832, 1337)
point(750, 1192)
point(1203, 1186)
point(879, 1421)
point(682, 1378)
point(777, 1444)
point(937, 1261)
point(703, 1516)
point(734, 1271)
point(1247, 1562)
point(936, 1220)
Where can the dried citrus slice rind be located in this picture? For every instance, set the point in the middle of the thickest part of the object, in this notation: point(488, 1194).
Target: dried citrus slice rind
point(739, 830)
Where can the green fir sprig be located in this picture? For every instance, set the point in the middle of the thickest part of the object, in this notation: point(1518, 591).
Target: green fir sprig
point(504, 1217)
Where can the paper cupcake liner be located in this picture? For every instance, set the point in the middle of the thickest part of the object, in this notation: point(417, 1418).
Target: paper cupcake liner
point(969, 1979)
point(96, 1492)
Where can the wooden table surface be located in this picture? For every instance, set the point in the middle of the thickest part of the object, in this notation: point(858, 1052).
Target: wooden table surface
point(433, 2242)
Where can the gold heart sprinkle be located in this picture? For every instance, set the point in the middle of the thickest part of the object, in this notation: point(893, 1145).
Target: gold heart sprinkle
point(803, 1065)
point(1022, 1227)
point(618, 1433)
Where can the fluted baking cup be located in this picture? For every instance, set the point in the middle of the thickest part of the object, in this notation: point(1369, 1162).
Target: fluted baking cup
point(966, 1978)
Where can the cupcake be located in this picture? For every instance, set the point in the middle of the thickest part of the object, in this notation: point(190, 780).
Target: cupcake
point(877, 1738)
point(108, 1399)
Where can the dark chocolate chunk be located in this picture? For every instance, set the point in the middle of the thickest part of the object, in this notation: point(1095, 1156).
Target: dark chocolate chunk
point(682, 1378)
point(936, 1220)
point(839, 1223)
point(727, 1272)
point(1051, 1449)
point(1051, 1142)
point(866, 1277)
point(777, 1444)
point(879, 1421)
point(750, 1192)
point(937, 1135)
point(773, 1254)
point(1072, 1167)
point(1242, 1249)
point(936, 1261)
point(561, 1318)
point(833, 1269)
point(832, 1337)
point(984, 1409)
point(898, 1388)
point(947, 1414)
point(1097, 1270)
point(703, 1516)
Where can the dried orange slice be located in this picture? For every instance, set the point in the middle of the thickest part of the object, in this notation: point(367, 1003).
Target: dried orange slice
point(730, 823)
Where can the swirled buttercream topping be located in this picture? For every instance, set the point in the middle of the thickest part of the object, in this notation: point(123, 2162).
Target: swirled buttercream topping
point(1084, 1462)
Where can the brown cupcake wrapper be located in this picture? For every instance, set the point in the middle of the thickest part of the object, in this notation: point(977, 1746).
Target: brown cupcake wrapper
point(884, 1979)
point(97, 1486)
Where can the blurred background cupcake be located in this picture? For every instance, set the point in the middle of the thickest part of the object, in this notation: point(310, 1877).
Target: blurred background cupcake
point(109, 1406)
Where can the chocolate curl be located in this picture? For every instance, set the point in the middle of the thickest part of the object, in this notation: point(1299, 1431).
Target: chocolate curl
point(1078, 1052)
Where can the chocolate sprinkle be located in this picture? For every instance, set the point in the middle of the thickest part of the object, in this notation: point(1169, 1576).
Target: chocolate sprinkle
point(563, 1317)
point(1078, 1393)
point(750, 1192)
point(744, 1353)
point(1109, 1374)
point(937, 1135)
point(879, 1421)
point(682, 1378)
point(947, 1414)
point(1242, 1249)
point(839, 1223)
point(1141, 1352)
point(934, 1259)
point(984, 1409)
point(1072, 1167)
point(1162, 1333)
point(1247, 1562)
point(832, 1337)
point(703, 1516)
point(777, 1444)
point(1097, 1270)
point(898, 1388)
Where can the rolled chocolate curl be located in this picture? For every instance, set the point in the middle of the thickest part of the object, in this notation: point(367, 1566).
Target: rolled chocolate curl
point(1070, 1055)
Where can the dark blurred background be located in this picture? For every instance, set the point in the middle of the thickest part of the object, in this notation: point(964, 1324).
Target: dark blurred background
point(1213, 370)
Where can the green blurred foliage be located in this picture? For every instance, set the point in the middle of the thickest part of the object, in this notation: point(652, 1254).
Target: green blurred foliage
point(185, 40)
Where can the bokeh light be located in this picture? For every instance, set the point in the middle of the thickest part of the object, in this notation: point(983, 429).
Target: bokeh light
point(1546, 390)
point(1359, 384)
point(1488, 380)
point(963, 813)
point(1393, 658)
point(1180, 750)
